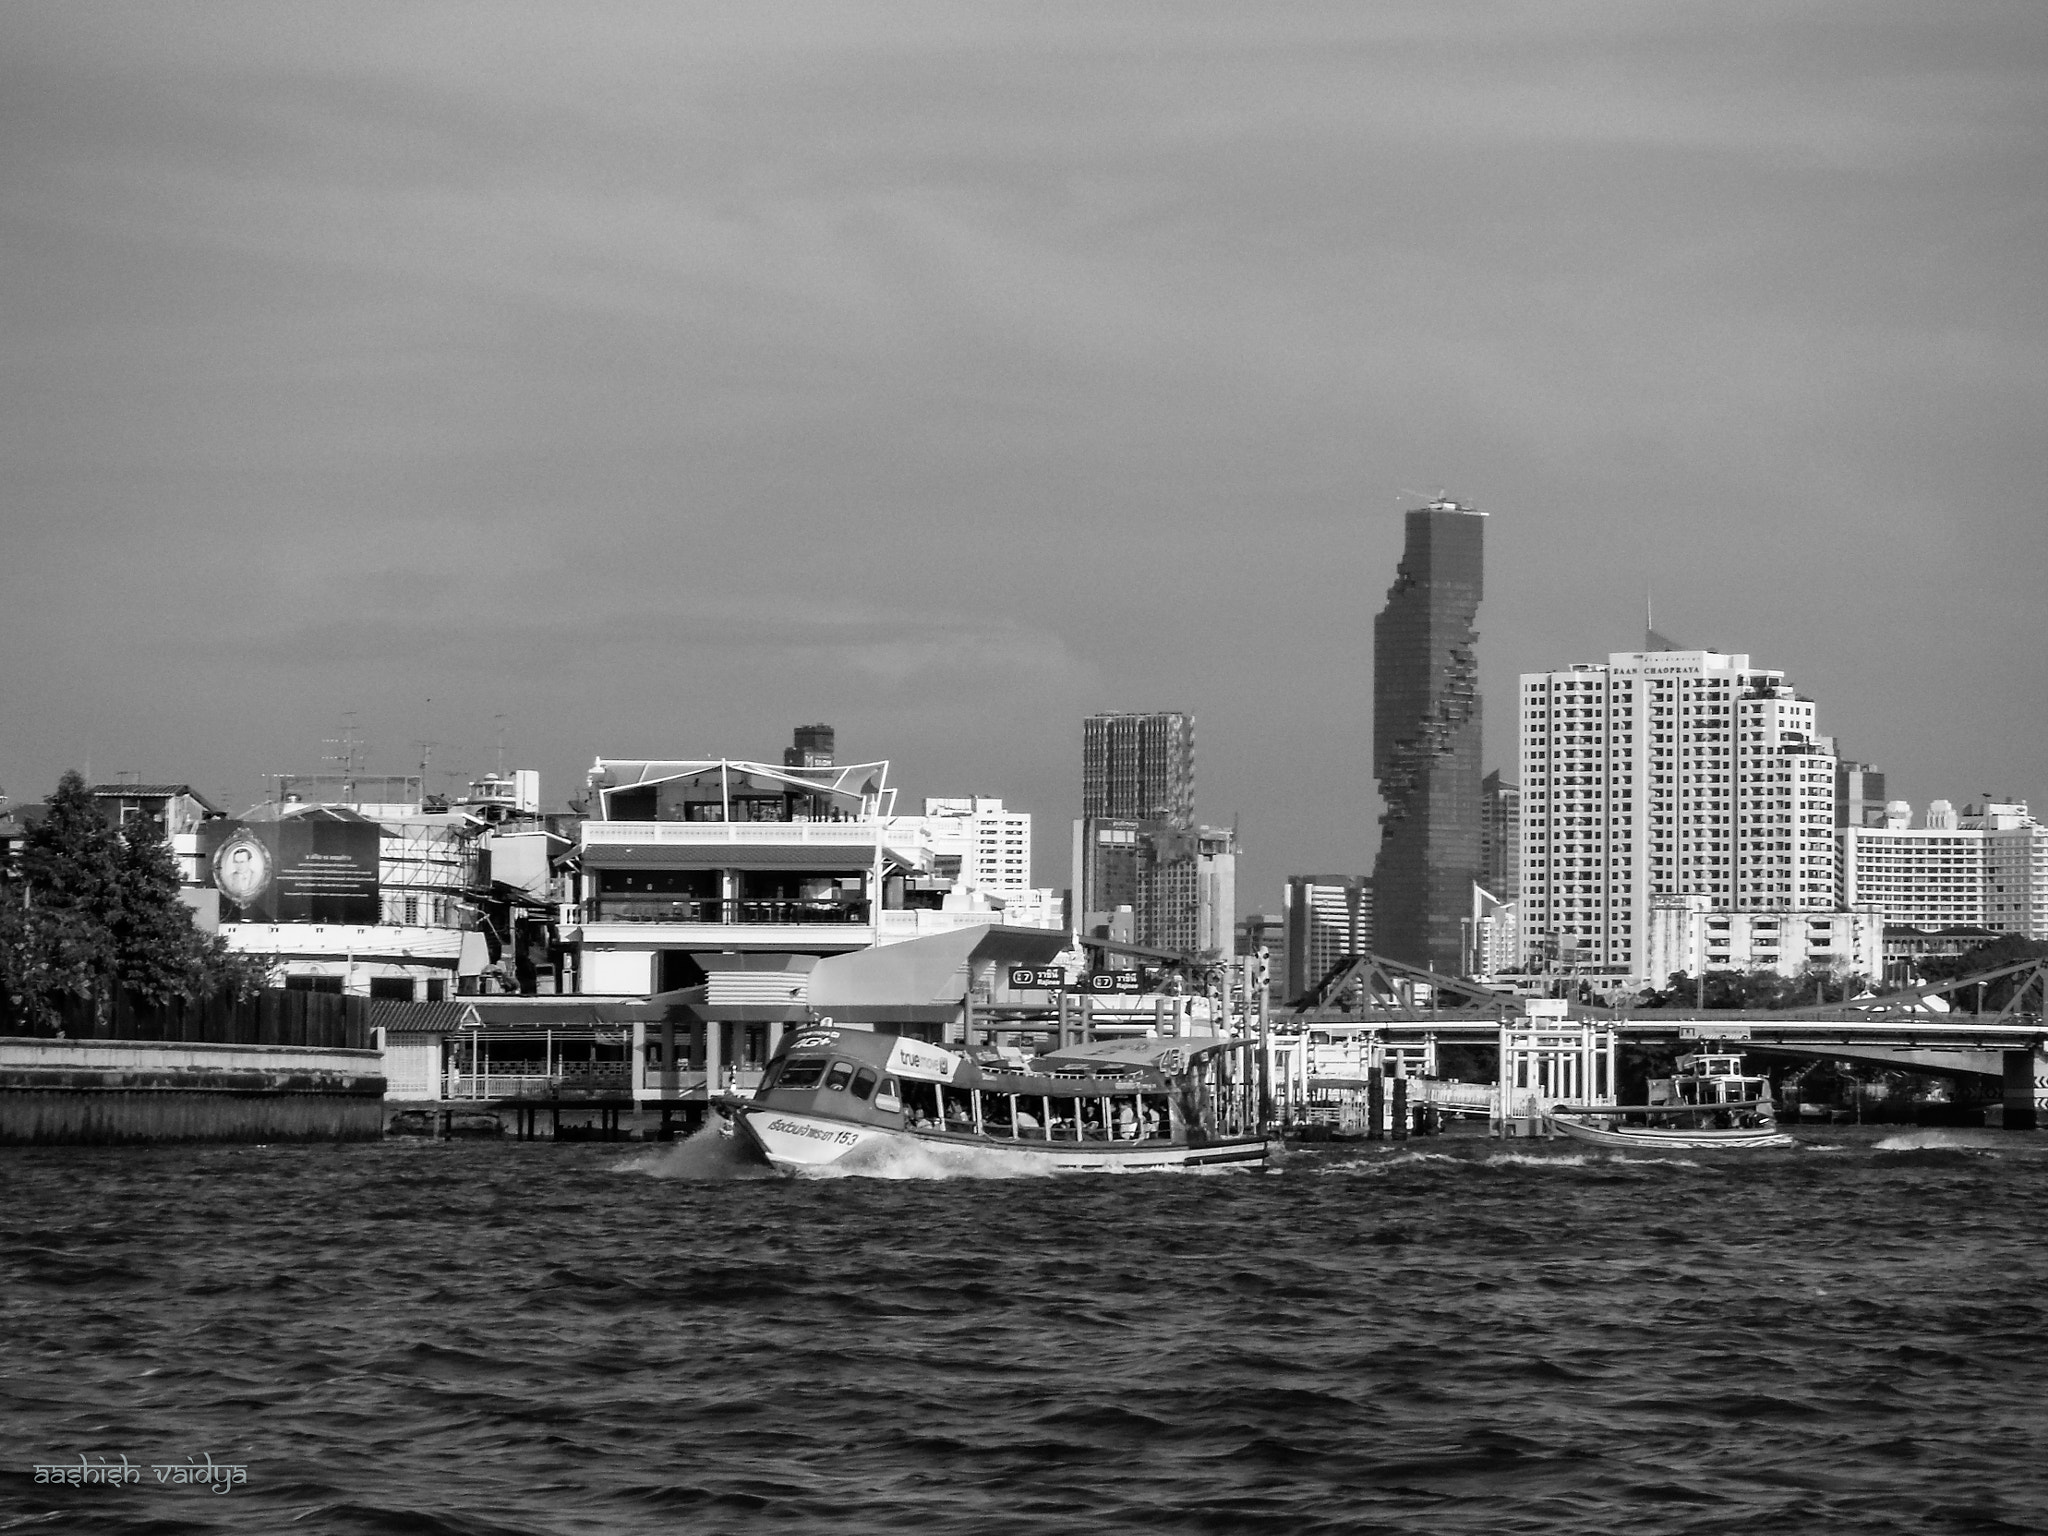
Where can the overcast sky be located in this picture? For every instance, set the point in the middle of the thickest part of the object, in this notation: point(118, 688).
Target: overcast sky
point(648, 380)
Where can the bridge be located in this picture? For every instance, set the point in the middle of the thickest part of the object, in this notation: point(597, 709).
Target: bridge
point(1917, 1029)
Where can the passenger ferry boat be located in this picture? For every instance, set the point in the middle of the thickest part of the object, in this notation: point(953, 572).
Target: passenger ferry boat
point(1108, 1106)
point(1710, 1103)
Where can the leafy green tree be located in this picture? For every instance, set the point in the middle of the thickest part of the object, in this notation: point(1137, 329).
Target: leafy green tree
point(2007, 949)
point(160, 955)
point(70, 871)
point(94, 910)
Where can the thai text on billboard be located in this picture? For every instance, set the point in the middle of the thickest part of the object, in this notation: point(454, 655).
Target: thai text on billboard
point(317, 868)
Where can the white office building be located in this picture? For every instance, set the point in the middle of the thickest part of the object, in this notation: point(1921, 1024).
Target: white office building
point(1666, 773)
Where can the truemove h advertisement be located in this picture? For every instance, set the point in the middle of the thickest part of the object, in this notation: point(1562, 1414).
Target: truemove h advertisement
point(300, 869)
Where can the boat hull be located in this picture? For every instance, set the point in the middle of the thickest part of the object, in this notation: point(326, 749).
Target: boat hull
point(1643, 1138)
point(802, 1143)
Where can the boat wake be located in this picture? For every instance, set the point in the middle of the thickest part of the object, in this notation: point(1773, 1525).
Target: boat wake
point(1981, 1142)
point(890, 1158)
point(704, 1156)
point(1377, 1167)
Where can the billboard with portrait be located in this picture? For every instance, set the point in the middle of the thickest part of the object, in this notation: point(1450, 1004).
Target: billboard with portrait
point(319, 867)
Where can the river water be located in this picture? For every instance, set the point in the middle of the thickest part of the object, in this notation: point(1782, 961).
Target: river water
point(1447, 1336)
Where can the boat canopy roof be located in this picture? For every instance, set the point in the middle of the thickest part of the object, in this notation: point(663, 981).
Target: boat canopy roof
point(1156, 1053)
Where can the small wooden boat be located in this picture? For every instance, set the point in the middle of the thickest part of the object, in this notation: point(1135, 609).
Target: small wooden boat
point(1108, 1106)
point(1710, 1103)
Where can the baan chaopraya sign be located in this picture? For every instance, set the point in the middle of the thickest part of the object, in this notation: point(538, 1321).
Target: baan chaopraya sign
point(316, 867)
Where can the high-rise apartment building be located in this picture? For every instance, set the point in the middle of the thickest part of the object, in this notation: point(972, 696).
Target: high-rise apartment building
point(1425, 740)
point(1500, 837)
point(1179, 884)
point(1667, 773)
point(979, 845)
point(1328, 917)
point(1139, 767)
point(1496, 933)
point(1137, 845)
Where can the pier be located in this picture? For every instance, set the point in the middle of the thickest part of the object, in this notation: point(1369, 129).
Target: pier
point(1408, 1011)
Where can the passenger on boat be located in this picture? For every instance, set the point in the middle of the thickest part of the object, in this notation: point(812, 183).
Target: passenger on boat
point(1026, 1121)
point(1126, 1123)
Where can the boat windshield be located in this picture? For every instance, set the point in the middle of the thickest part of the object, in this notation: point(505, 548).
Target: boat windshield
point(801, 1072)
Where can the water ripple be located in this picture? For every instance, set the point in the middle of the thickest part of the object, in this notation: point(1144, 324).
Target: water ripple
point(474, 1340)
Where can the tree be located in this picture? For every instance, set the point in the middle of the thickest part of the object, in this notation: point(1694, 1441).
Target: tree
point(70, 874)
point(94, 911)
point(2006, 949)
point(160, 955)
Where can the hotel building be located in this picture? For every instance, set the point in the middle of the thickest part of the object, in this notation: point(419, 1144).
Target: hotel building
point(1665, 774)
point(1985, 868)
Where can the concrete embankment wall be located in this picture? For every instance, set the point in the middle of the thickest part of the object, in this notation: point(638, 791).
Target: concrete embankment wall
point(98, 1092)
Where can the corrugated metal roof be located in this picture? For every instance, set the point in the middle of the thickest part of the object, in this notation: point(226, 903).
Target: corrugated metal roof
point(415, 1018)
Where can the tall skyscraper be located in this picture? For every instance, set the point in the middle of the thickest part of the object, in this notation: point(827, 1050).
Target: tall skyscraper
point(1425, 739)
point(1140, 767)
point(1667, 774)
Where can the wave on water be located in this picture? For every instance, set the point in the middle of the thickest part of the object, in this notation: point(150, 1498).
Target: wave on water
point(1369, 1166)
point(1984, 1143)
point(705, 1156)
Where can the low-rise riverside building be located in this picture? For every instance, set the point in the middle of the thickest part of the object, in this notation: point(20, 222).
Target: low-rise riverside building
point(1689, 936)
point(175, 812)
point(678, 859)
point(364, 890)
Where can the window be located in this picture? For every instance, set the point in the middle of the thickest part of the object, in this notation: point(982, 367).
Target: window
point(864, 1082)
point(801, 1072)
point(840, 1075)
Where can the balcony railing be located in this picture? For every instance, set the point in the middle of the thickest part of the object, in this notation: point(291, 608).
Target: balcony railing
point(505, 1080)
point(834, 834)
point(644, 909)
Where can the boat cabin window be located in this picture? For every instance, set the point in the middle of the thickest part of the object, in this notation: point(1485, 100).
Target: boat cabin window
point(1063, 1124)
point(997, 1113)
point(801, 1072)
point(840, 1075)
point(920, 1104)
point(864, 1082)
point(1155, 1115)
point(959, 1109)
point(886, 1096)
